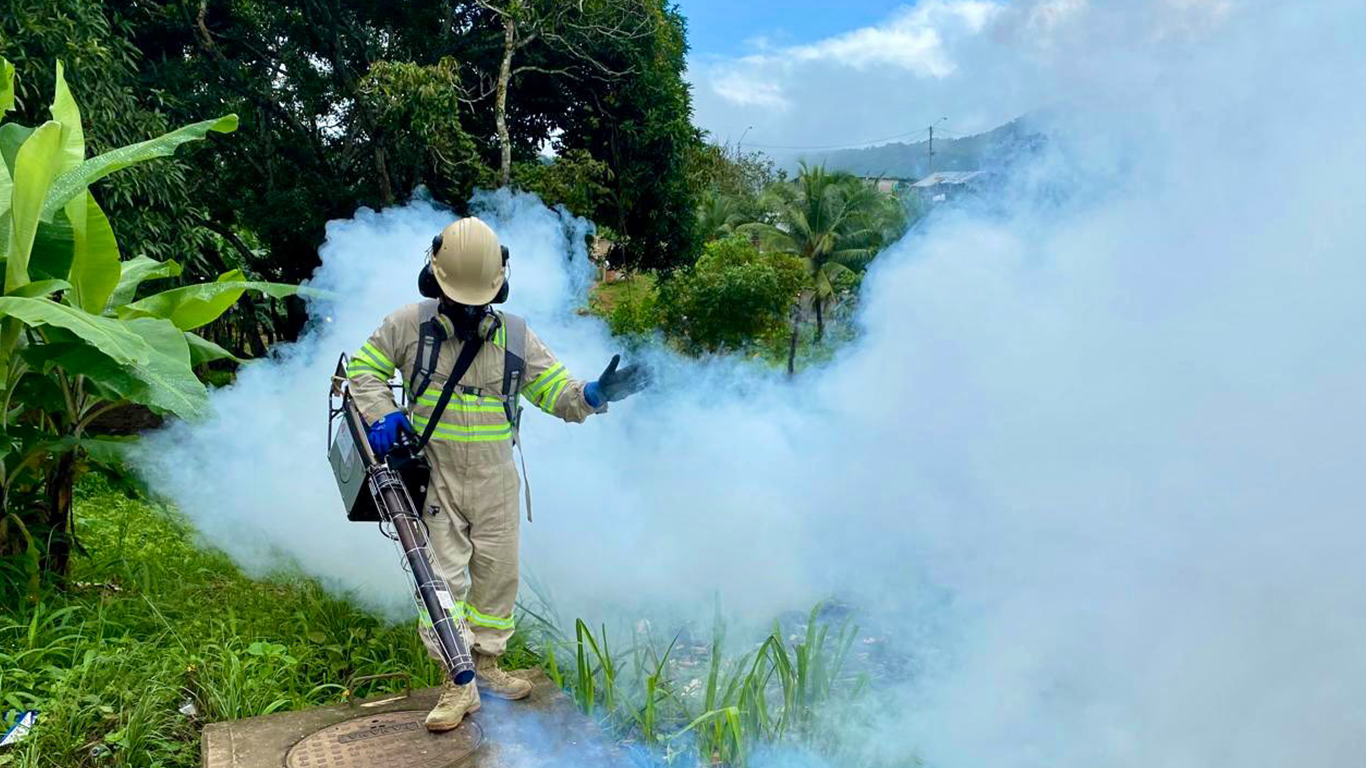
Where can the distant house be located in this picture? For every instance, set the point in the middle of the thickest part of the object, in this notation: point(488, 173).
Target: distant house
point(945, 185)
point(600, 254)
point(887, 185)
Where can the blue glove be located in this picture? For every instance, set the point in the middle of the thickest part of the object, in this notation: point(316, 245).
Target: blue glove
point(614, 385)
point(384, 433)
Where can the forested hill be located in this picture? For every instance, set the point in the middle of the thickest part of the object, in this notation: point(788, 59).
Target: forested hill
point(910, 161)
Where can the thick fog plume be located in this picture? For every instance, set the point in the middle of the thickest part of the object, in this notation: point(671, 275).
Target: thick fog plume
point(1097, 454)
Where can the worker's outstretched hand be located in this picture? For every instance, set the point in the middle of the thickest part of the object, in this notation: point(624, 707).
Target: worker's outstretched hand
point(384, 433)
point(617, 384)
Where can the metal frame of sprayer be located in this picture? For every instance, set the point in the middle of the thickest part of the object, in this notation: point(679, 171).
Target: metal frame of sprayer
point(376, 490)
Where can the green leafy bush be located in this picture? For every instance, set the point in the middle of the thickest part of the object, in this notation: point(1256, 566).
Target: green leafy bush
point(76, 342)
point(574, 180)
point(733, 296)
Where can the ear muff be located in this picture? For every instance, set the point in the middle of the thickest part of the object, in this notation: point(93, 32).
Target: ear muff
point(427, 286)
point(503, 292)
point(426, 283)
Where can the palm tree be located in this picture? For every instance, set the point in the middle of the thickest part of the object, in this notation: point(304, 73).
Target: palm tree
point(718, 214)
point(834, 222)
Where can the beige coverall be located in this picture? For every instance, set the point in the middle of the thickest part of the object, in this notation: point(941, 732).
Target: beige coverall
point(474, 485)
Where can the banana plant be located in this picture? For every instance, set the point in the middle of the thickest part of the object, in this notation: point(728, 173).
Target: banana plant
point(76, 340)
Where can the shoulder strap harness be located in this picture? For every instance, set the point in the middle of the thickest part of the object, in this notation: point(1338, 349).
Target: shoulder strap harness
point(433, 331)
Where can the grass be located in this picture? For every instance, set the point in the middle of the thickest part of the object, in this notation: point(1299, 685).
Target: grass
point(153, 623)
point(703, 707)
point(156, 636)
point(605, 297)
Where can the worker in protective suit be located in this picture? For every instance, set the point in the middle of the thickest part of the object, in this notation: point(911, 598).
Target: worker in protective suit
point(473, 492)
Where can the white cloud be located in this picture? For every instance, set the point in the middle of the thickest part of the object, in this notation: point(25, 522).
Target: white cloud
point(978, 62)
point(856, 84)
point(741, 89)
point(912, 39)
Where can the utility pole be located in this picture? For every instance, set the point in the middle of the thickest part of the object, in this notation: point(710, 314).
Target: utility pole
point(931, 160)
point(930, 172)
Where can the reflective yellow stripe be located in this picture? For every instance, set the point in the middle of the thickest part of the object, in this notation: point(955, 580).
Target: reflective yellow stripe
point(423, 620)
point(485, 620)
point(495, 407)
point(359, 367)
point(553, 396)
point(473, 433)
point(434, 392)
point(365, 357)
point(542, 382)
point(379, 358)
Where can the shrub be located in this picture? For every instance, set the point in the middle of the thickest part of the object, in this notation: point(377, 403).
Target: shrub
point(733, 296)
point(75, 340)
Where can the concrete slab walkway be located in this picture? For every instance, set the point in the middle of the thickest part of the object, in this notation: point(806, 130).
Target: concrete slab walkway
point(386, 732)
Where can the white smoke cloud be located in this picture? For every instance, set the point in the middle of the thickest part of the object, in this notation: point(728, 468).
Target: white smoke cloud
point(1097, 453)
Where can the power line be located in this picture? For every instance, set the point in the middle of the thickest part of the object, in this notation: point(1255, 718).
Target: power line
point(856, 145)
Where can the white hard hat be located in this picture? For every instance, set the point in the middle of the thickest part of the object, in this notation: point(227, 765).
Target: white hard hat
point(468, 263)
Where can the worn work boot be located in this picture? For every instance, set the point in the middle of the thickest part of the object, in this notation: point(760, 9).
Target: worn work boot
point(456, 702)
point(498, 683)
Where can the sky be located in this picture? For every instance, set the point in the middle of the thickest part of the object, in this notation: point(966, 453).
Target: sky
point(828, 75)
point(726, 28)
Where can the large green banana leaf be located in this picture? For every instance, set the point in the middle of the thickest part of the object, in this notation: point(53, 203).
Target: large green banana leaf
point(95, 254)
point(95, 269)
point(34, 168)
point(65, 111)
point(111, 336)
point(192, 306)
point(6, 86)
point(135, 272)
point(72, 182)
point(171, 383)
point(12, 137)
point(164, 383)
point(203, 351)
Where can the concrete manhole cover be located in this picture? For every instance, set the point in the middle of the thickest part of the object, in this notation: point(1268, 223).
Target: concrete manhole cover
point(392, 740)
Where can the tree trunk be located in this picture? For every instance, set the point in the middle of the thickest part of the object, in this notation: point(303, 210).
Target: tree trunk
point(251, 329)
point(386, 187)
point(500, 104)
point(820, 320)
point(792, 345)
point(60, 485)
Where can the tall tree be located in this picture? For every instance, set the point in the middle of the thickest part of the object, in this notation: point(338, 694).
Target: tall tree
point(324, 130)
point(153, 208)
point(569, 38)
point(834, 222)
point(641, 126)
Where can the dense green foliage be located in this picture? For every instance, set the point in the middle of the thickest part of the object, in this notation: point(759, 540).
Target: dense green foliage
point(348, 102)
point(777, 252)
point(76, 341)
point(834, 222)
point(734, 295)
point(574, 180)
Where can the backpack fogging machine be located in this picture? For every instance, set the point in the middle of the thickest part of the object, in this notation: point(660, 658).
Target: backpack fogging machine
point(390, 491)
